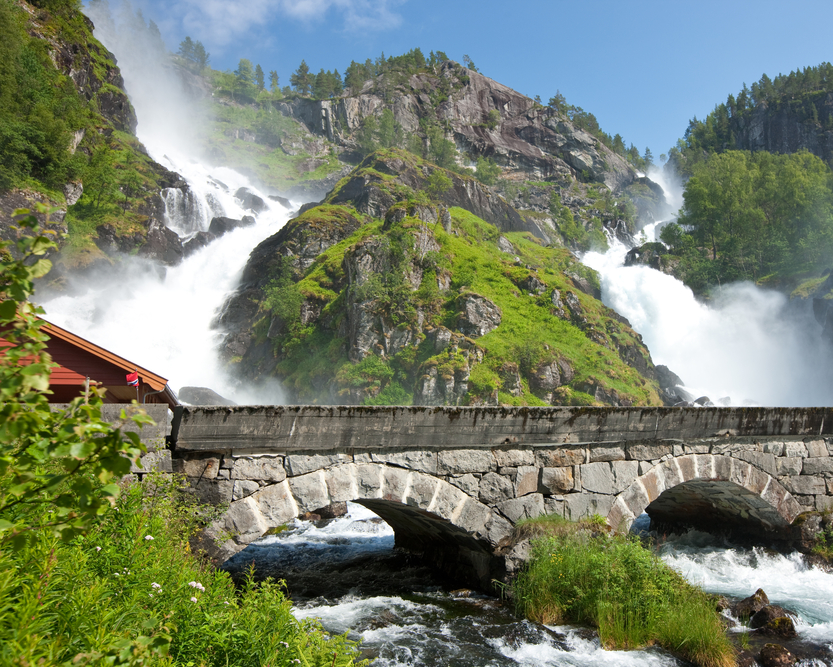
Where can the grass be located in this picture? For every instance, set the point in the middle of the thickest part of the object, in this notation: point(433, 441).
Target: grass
point(131, 593)
point(580, 573)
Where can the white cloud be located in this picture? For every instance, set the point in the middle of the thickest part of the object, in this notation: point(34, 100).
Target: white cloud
point(221, 22)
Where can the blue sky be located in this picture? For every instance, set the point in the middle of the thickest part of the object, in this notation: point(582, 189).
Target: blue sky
point(644, 68)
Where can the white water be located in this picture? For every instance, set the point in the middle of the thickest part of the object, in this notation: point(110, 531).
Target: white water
point(162, 320)
point(738, 573)
point(748, 346)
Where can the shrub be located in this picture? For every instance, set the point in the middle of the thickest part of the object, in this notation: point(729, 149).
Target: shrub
point(584, 575)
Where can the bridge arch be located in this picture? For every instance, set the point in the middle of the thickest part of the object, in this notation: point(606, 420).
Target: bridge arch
point(428, 515)
point(706, 490)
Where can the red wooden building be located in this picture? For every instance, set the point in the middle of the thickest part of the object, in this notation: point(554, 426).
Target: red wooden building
point(78, 359)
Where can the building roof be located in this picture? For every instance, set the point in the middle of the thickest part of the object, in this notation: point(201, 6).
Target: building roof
point(78, 359)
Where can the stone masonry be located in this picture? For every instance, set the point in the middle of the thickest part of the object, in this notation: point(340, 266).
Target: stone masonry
point(459, 503)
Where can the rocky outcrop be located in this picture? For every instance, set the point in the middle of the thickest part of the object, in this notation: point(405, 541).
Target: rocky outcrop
point(478, 315)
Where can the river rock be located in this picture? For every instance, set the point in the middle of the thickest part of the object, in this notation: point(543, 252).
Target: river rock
point(751, 605)
point(222, 225)
point(283, 201)
point(775, 655)
point(766, 614)
point(782, 627)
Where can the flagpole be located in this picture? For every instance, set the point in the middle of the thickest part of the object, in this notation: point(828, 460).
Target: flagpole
point(138, 382)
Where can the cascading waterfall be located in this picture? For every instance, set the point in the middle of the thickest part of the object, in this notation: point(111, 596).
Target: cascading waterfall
point(749, 346)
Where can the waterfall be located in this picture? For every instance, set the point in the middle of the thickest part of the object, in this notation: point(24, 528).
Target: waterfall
point(748, 346)
point(162, 319)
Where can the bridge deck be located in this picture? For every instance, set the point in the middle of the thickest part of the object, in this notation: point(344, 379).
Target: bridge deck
point(306, 428)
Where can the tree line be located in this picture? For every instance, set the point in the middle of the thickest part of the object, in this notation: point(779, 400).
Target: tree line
point(753, 216)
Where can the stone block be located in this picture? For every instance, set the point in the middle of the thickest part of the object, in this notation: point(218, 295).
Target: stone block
point(582, 505)
point(266, 468)
point(276, 504)
point(816, 448)
point(643, 452)
point(421, 490)
point(369, 480)
point(830, 486)
point(420, 460)
point(514, 457)
point(804, 485)
point(677, 450)
point(527, 507)
point(608, 477)
point(362, 457)
point(461, 461)
point(555, 505)
point(302, 464)
point(468, 484)
point(243, 522)
point(473, 518)
point(557, 480)
point(446, 500)
point(807, 502)
point(606, 453)
point(211, 491)
point(776, 448)
point(765, 462)
point(559, 457)
point(395, 483)
point(817, 465)
point(310, 491)
point(824, 503)
point(160, 461)
point(341, 483)
point(697, 449)
point(734, 448)
point(224, 473)
point(526, 480)
point(645, 466)
point(795, 448)
point(202, 466)
point(498, 529)
point(788, 465)
point(495, 488)
point(243, 488)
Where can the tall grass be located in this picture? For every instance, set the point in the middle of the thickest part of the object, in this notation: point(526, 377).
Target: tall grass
point(579, 574)
point(131, 593)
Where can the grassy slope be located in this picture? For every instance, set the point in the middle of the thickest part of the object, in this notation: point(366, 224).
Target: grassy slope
point(312, 356)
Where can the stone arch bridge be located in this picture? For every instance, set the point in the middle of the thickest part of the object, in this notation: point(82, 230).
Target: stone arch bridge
point(452, 482)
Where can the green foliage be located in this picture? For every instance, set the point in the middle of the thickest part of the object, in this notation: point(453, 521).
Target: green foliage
point(801, 93)
point(441, 151)
point(488, 171)
point(438, 184)
point(327, 84)
point(583, 575)
point(194, 54)
point(749, 215)
point(283, 299)
point(131, 593)
point(301, 79)
point(64, 460)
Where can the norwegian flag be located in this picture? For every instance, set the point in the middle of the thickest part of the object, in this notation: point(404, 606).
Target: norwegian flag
point(133, 379)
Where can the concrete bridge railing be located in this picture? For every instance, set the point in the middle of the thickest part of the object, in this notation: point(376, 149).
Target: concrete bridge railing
point(452, 482)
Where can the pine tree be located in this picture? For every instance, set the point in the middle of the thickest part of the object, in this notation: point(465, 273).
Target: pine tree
point(259, 78)
point(301, 80)
point(273, 82)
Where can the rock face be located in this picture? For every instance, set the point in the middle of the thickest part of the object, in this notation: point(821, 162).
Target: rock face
point(373, 296)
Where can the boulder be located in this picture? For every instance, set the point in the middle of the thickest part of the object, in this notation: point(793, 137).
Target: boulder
point(775, 655)
point(163, 245)
point(477, 315)
point(766, 614)
point(250, 200)
point(283, 201)
point(221, 225)
point(747, 607)
point(202, 396)
point(199, 240)
point(782, 627)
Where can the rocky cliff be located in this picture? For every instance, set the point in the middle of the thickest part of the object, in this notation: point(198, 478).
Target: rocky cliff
point(393, 292)
point(109, 201)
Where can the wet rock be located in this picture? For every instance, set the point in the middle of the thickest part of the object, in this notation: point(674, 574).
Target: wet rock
point(747, 607)
point(199, 240)
point(332, 510)
point(283, 201)
point(250, 200)
point(767, 614)
point(775, 655)
point(221, 225)
point(163, 245)
point(782, 627)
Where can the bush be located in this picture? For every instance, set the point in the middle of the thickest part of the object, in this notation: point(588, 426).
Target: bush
point(583, 575)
